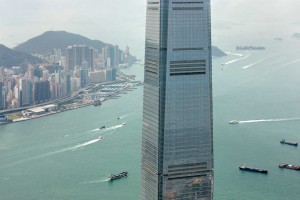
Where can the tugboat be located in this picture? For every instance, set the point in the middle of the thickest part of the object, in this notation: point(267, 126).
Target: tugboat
point(249, 169)
point(289, 143)
point(289, 166)
point(118, 176)
point(102, 127)
point(234, 122)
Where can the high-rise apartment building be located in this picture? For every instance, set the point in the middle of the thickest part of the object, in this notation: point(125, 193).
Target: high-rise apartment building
point(81, 55)
point(116, 56)
point(1, 98)
point(25, 92)
point(42, 91)
point(177, 142)
point(84, 77)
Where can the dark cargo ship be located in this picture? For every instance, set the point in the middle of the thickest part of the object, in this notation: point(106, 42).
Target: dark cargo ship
point(289, 166)
point(249, 169)
point(289, 143)
point(118, 176)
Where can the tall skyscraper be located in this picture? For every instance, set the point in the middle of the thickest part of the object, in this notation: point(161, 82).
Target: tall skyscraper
point(81, 55)
point(1, 98)
point(84, 77)
point(25, 92)
point(42, 91)
point(177, 142)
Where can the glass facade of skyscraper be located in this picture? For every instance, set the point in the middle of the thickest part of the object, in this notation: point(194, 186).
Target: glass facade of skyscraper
point(177, 142)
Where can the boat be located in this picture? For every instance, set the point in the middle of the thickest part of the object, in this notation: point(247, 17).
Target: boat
point(97, 103)
point(289, 166)
point(251, 48)
point(234, 122)
point(101, 127)
point(3, 119)
point(100, 138)
point(118, 176)
point(119, 118)
point(249, 169)
point(289, 143)
point(123, 124)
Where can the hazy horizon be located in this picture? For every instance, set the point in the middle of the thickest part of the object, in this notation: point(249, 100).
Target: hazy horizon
point(123, 23)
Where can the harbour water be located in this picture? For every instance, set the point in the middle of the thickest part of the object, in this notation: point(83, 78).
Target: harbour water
point(62, 157)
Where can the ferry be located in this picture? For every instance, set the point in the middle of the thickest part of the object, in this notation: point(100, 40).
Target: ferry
point(289, 166)
point(289, 143)
point(118, 176)
point(234, 122)
point(102, 127)
point(249, 169)
point(3, 119)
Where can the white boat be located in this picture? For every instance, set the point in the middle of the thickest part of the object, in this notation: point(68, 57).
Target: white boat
point(234, 122)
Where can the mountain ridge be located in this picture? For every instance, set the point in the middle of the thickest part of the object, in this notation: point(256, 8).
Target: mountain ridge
point(10, 57)
point(49, 40)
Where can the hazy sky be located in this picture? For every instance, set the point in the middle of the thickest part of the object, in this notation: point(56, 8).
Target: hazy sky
point(123, 21)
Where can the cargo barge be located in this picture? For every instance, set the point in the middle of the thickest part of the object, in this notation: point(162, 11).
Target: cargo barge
point(249, 169)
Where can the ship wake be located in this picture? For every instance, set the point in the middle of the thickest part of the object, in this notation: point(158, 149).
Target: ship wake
point(236, 60)
point(73, 148)
point(268, 120)
point(257, 62)
point(96, 181)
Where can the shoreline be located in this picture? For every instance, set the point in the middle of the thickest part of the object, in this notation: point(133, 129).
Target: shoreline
point(127, 84)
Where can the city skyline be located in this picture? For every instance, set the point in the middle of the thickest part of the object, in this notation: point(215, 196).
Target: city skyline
point(177, 138)
point(30, 84)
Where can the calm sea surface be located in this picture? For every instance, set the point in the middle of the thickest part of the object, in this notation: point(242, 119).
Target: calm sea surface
point(61, 157)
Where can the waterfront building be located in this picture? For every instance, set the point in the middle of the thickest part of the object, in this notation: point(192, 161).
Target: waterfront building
point(68, 83)
point(84, 77)
point(114, 74)
point(42, 91)
point(117, 56)
point(25, 92)
point(108, 75)
point(75, 84)
point(4, 99)
point(177, 141)
point(97, 76)
point(1, 95)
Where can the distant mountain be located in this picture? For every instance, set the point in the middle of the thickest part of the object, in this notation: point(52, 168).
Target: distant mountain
point(9, 57)
point(216, 52)
point(296, 35)
point(49, 40)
